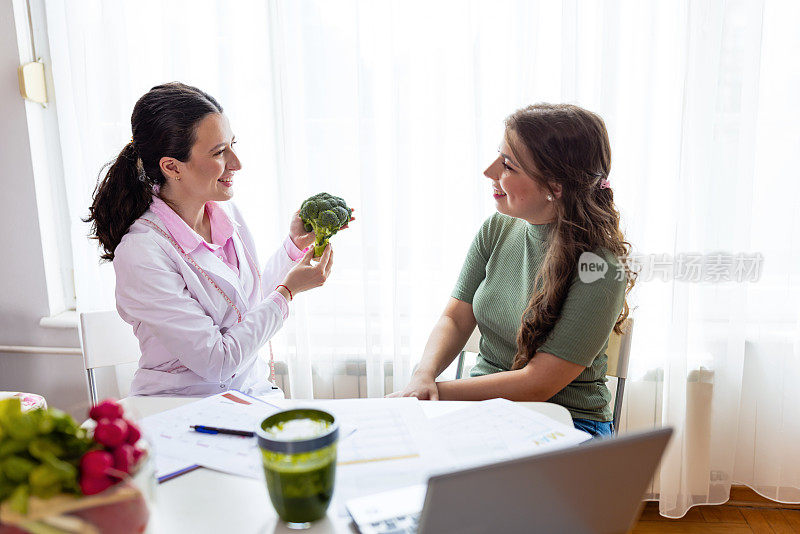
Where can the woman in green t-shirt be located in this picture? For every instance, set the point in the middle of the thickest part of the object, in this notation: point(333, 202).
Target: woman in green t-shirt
point(545, 279)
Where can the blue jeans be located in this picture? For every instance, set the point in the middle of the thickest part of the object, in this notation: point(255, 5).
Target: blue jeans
point(597, 429)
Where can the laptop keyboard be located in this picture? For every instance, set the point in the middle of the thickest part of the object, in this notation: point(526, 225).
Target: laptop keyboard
point(404, 524)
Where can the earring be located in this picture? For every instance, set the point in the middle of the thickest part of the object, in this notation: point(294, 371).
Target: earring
point(549, 198)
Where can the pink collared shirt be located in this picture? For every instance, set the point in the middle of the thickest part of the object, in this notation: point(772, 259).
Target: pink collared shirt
point(222, 229)
point(200, 325)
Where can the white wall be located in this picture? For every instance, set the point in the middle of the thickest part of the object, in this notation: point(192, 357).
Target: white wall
point(23, 299)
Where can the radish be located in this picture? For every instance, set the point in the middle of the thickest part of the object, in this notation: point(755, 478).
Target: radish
point(92, 485)
point(111, 433)
point(95, 463)
point(108, 409)
point(123, 458)
point(133, 433)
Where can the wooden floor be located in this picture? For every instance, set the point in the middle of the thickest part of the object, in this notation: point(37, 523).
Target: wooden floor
point(746, 513)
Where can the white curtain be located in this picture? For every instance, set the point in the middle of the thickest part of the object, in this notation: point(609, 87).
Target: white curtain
point(398, 107)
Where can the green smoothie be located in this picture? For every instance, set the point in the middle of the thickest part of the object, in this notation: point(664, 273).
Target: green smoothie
point(298, 449)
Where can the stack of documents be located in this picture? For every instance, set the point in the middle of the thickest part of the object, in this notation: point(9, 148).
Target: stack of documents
point(178, 448)
point(384, 444)
point(370, 432)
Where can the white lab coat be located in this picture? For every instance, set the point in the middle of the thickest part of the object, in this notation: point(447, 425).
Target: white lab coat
point(192, 339)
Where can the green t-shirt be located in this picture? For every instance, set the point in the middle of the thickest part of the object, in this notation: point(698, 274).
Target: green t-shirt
point(497, 279)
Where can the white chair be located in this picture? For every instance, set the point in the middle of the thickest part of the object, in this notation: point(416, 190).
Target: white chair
point(619, 356)
point(472, 346)
point(618, 352)
point(107, 341)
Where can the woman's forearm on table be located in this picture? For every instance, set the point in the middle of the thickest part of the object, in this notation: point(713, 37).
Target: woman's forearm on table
point(544, 376)
point(511, 385)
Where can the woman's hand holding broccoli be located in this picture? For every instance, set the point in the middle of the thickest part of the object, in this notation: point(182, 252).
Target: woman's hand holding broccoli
point(305, 276)
point(301, 237)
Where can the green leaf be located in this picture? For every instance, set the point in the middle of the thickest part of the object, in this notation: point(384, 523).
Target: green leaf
point(43, 476)
point(10, 406)
point(64, 422)
point(17, 468)
point(22, 427)
point(41, 447)
point(19, 499)
point(66, 471)
point(6, 487)
point(45, 481)
point(46, 425)
point(11, 446)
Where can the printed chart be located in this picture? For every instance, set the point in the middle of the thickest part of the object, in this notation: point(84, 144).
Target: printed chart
point(498, 429)
point(177, 446)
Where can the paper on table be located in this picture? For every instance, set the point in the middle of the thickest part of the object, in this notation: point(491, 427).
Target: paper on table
point(387, 428)
point(175, 443)
point(392, 447)
point(499, 429)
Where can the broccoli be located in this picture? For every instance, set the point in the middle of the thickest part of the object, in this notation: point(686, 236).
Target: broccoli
point(324, 214)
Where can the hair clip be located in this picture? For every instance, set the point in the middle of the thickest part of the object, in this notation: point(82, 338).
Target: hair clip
point(605, 184)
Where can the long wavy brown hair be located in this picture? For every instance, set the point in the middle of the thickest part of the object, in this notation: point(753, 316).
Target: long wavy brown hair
point(567, 145)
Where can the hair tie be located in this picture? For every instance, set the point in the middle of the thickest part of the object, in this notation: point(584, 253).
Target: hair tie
point(605, 184)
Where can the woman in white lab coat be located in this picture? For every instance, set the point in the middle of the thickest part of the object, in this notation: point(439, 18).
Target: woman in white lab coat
point(188, 276)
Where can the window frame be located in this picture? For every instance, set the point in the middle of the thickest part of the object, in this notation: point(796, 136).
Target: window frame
point(48, 170)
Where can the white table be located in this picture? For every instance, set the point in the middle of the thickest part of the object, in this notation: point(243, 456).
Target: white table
point(209, 501)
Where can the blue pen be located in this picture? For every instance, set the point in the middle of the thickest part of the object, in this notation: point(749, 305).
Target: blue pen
point(215, 430)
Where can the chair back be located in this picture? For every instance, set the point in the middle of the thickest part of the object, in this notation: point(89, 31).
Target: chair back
point(472, 346)
point(106, 341)
point(619, 353)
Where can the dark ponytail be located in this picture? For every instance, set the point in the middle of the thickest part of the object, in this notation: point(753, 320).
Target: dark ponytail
point(164, 123)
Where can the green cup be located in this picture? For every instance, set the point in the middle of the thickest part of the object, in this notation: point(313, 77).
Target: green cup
point(298, 451)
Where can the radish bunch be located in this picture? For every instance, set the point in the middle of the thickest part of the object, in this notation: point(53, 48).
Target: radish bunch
point(102, 468)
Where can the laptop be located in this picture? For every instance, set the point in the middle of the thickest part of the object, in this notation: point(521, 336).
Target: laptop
point(596, 487)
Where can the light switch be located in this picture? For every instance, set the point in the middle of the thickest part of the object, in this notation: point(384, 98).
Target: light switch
point(31, 82)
